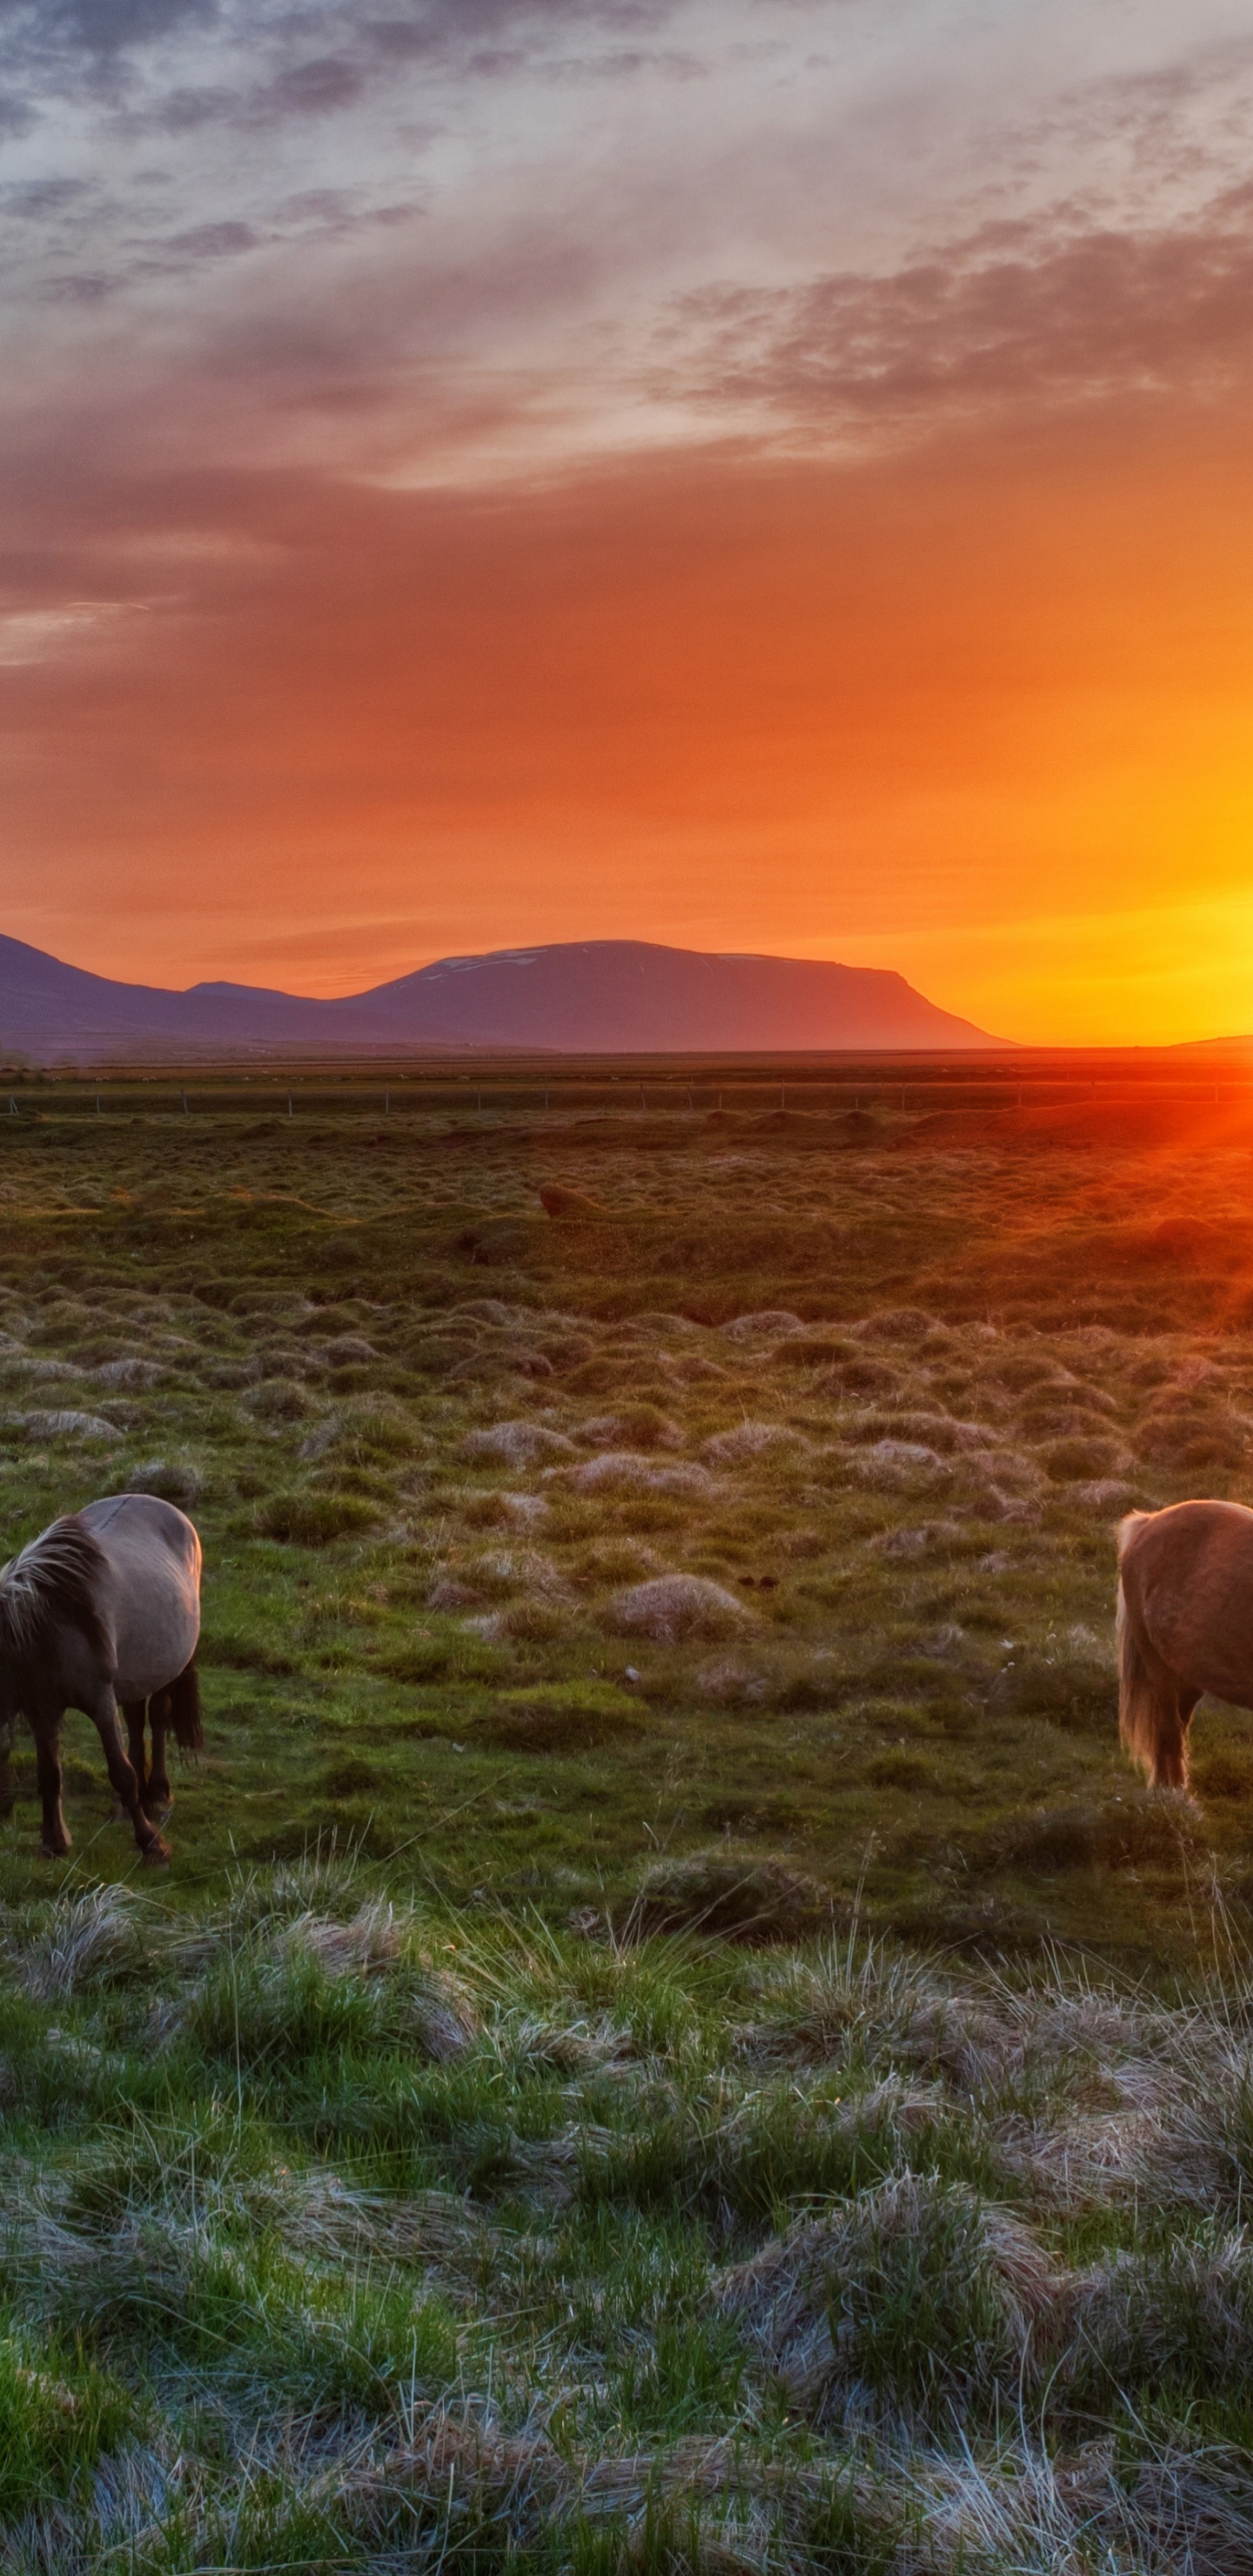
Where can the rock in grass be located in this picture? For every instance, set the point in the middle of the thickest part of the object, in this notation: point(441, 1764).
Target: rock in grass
point(674, 1606)
point(729, 1896)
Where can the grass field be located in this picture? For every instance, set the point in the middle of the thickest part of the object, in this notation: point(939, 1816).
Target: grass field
point(672, 2038)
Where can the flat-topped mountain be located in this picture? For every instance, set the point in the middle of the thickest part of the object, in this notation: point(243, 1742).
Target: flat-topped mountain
point(579, 997)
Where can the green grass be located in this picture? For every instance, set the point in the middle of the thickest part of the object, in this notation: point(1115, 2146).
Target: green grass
point(385, 1431)
point(331, 2228)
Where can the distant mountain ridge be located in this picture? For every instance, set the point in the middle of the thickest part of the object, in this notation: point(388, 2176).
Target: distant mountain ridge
point(577, 997)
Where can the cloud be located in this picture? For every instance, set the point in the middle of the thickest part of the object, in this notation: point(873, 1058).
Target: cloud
point(316, 87)
point(32, 200)
point(1016, 316)
point(103, 26)
point(33, 635)
point(214, 241)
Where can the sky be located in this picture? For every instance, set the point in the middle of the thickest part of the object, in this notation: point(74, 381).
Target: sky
point(756, 474)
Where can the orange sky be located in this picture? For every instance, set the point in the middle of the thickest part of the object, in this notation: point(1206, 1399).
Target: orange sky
point(857, 568)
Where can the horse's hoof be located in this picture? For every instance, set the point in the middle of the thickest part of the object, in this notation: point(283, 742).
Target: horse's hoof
point(55, 1851)
point(156, 1855)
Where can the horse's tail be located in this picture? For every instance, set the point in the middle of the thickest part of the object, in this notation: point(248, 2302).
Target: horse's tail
point(185, 1717)
point(1150, 1725)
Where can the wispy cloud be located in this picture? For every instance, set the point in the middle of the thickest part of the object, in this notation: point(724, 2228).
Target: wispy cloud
point(33, 635)
point(1022, 316)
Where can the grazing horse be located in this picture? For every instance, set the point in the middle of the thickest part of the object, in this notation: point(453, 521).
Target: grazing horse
point(1185, 1625)
point(102, 1608)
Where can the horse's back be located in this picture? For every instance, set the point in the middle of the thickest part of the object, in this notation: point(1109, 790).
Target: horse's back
point(152, 1559)
point(136, 1524)
point(1187, 1578)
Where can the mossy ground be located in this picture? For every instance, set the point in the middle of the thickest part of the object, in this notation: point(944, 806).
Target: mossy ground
point(370, 2193)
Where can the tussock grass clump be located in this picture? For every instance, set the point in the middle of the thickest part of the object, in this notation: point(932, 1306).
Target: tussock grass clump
point(1144, 1828)
point(370, 1429)
point(749, 1441)
point(556, 1717)
point(517, 1444)
point(639, 1426)
point(915, 2293)
point(314, 1516)
point(59, 2416)
point(97, 1937)
point(624, 1472)
point(671, 1607)
point(729, 1896)
point(732, 1681)
point(770, 1325)
point(279, 1400)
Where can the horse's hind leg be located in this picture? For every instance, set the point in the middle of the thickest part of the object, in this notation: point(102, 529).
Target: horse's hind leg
point(1154, 1704)
point(1174, 1717)
point(122, 1775)
point(56, 1838)
point(134, 1711)
point(1188, 1701)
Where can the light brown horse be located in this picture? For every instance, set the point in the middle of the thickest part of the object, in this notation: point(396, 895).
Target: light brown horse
point(1185, 1625)
point(103, 1607)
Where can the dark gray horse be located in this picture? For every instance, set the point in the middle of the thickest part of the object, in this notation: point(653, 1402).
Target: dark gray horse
point(104, 1608)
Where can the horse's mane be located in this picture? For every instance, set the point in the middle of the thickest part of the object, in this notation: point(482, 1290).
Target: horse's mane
point(53, 1579)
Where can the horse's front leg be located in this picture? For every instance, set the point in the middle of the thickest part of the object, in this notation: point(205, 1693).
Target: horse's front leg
point(122, 1776)
point(47, 1734)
